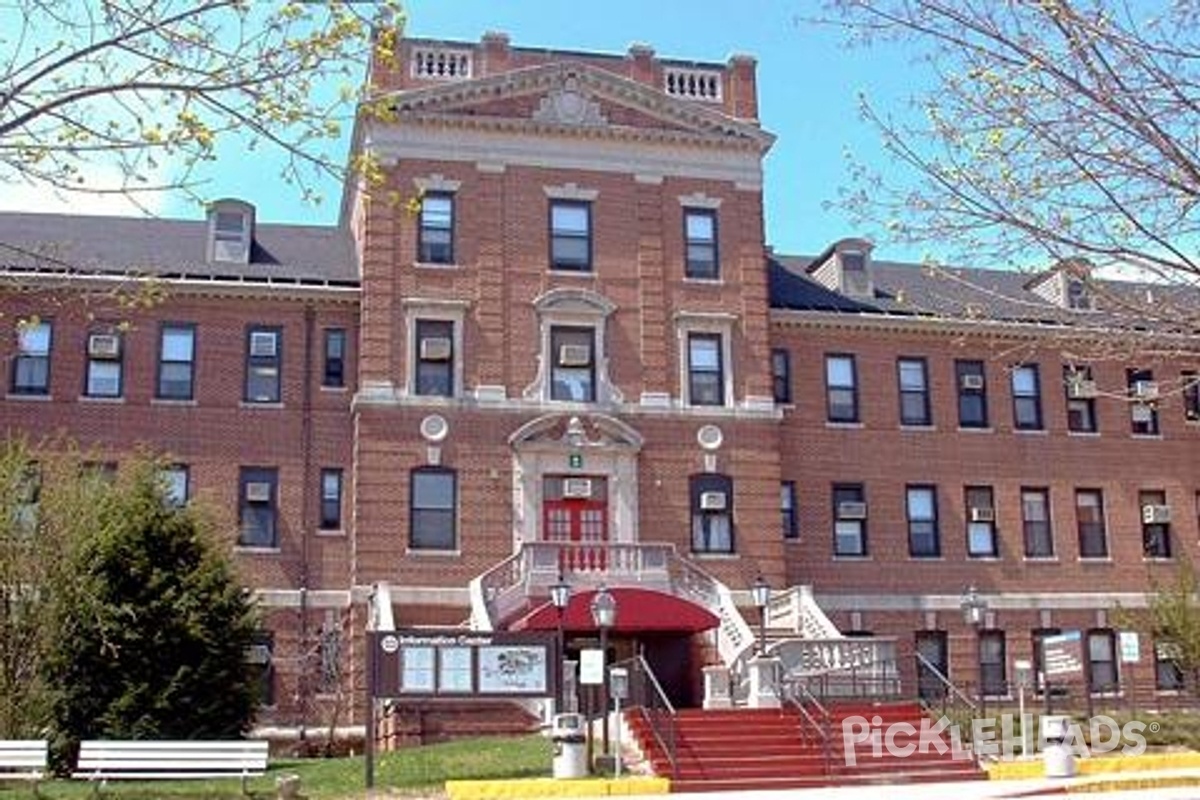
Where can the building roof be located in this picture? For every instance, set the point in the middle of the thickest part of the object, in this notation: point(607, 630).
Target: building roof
point(167, 248)
point(916, 290)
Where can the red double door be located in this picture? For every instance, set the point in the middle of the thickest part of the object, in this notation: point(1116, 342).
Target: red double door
point(575, 513)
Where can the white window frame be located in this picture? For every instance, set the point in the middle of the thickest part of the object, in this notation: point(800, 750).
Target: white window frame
point(573, 308)
point(689, 322)
point(433, 310)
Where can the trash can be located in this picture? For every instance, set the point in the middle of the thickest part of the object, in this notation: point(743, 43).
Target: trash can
point(570, 746)
point(1057, 759)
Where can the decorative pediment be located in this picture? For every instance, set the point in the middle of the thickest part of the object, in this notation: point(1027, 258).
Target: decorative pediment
point(569, 105)
point(573, 97)
point(576, 431)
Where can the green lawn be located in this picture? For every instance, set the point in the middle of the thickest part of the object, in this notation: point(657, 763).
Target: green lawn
point(414, 771)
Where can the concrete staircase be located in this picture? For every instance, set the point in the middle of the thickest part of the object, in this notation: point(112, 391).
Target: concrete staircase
point(745, 749)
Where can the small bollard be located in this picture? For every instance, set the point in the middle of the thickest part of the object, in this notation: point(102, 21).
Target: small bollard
point(287, 786)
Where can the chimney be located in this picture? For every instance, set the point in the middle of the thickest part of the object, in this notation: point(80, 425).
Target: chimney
point(641, 64)
point(495, 53)
point(741, 99)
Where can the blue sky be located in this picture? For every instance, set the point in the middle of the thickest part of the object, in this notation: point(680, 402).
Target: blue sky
point(808, 89)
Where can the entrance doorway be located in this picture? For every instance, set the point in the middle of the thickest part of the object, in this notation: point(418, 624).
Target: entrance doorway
point(575, 514)
point(934, 655)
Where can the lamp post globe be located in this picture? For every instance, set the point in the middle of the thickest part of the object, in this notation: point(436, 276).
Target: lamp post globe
point(760, 591)
point(604, 615)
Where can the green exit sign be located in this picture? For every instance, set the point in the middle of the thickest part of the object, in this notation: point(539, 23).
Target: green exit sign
point(575, 460)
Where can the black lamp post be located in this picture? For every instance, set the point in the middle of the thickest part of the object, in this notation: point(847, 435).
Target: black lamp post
point(974, 610)
point(761, 592)
point(560, 596)
point(604, 614)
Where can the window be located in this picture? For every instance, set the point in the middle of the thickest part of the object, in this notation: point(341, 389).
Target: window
point(1168, 668)
point(1101, 661)
point(434, 509)
point(1038, 637)
point(257, 507)
point(1089, 517)
point(1143, 395)
point(787, 507)
point(570, 235)
point(706, 373)
point(331, 499)
point(914, 391)
point(573, 364)
point(849, 520)
point(1035, 520)
point(981, 522)
point(231, 232)
point(972, 394)
point(104, 350)
point(1027, 398)
point(924, 540)
point(1191, 397)
point(435, 239)
point(176, 362)
point(841, 390)
point(263, 346)
point(334, 373)
point(1156, 524)
point(700, 241)
point(329, 652)
point(175, 480)
point(1081, 399)
point(933, 664)
point(31, 367)
point(712, 513)
point(781, 375)
point(434, 358)
point(992, 663)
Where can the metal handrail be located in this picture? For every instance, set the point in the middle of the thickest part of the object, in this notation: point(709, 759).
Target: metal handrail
point(937, 673)
point(651, 706)
point(823, 728)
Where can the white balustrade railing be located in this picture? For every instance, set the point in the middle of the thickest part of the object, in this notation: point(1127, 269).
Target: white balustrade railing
point(693, 84)
point(734, 637)
point(805, 657)
point(441, 63)
point(796, 609)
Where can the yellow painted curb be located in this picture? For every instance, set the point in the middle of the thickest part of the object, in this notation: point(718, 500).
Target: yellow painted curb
point(1134, 784)
point(1147, 762)
point(549, 787)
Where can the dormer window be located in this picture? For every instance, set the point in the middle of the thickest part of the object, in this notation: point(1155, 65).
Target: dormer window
point(846, 268)
point(1077, 294)
point(230, 231)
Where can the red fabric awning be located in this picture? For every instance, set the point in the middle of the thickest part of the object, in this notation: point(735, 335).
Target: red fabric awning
point(638, 611)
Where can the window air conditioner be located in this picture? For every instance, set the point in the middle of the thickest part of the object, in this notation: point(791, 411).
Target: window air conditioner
point(1141, 413)
point(971, 381)
point(852, 510)
point(983, 515)
point(258, 654)
point(574, 355)
point(258, 492)
point(104, 345)
point(1145, 390)
point(435, 348)
point(712, 501)
point(577, 488)
point(1081, 389)
point(1156, 515)
point(262, 344)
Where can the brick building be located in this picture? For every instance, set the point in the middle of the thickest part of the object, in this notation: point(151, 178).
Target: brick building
point(574, 355)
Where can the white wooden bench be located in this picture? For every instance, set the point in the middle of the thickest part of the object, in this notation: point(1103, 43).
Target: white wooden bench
point(23, 758)
point(101, 760)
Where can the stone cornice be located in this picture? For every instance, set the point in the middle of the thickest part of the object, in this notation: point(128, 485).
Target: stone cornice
point(956, 326)
point(249, 290)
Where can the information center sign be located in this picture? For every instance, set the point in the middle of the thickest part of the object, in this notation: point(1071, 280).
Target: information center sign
point(429, 663)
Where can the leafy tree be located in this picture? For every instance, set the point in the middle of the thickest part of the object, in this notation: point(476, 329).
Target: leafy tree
point(1054, 131)
point(1174, 620)
point(153, 88)
point(44, 507)
point(151, 631)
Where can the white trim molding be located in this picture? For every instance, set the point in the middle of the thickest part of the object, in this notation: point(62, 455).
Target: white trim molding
point(570, 191)
point(699, 200)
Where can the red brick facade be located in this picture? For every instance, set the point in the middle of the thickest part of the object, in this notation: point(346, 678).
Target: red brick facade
point(602, 130)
